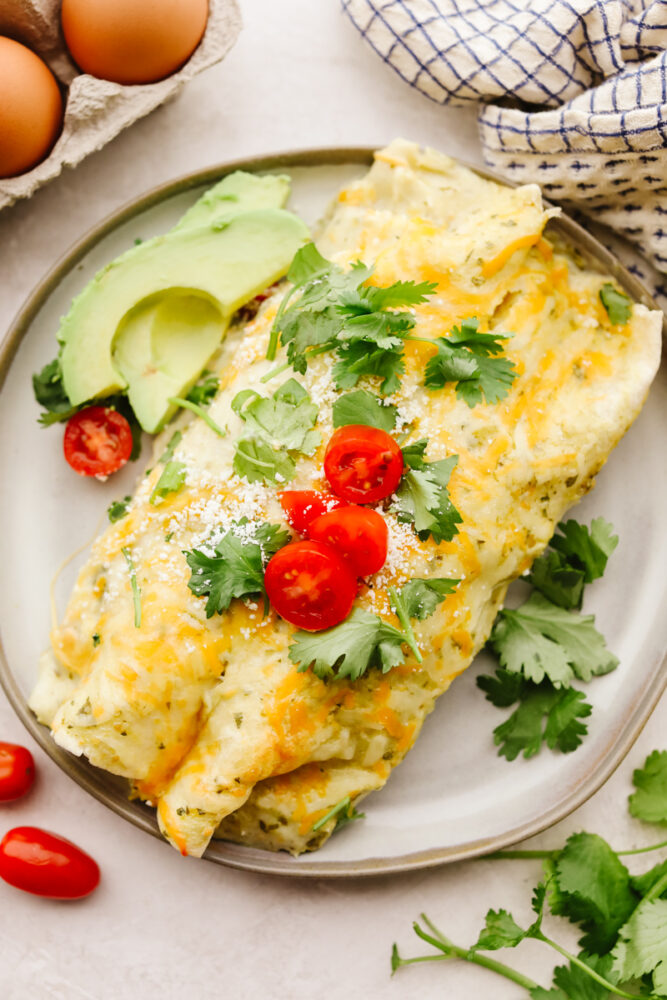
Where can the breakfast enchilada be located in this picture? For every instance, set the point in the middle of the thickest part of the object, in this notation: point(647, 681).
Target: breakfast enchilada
point(227, 721)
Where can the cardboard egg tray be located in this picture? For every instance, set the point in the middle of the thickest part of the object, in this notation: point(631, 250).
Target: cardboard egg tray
point(97, 110)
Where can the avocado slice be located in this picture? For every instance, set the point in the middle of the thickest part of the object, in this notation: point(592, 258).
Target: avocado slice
point(235, 193)
point(226, 262)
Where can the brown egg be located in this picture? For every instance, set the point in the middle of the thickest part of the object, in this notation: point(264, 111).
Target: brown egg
point(133, 41)
point(31, 108)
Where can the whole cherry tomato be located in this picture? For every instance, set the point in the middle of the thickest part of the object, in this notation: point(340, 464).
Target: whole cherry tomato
point(46, 865)
point(303, 506)
point(310, 585)
point(98, 441)
point(358, 534)
point(363, 464)
point(17, 771)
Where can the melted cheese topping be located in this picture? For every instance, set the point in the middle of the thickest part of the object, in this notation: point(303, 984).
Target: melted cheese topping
point(209, 718)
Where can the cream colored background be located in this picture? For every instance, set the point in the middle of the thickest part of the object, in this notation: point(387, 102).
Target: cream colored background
point(159, 926)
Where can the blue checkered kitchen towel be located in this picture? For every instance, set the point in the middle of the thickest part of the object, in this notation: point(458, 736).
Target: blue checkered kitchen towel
point(572, 93)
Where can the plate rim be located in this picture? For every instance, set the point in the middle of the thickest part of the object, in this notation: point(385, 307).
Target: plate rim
point(106, 789)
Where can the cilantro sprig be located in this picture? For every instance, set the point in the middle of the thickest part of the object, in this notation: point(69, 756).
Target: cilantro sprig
point(237, 567)
point(275, 427)
point(331, 309)
point(364, 640)
point(623, 920)
point(422, 497)
point(543, 646)
point(470, 359)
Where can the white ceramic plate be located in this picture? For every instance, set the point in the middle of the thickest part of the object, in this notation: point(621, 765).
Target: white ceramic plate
point(453, 797)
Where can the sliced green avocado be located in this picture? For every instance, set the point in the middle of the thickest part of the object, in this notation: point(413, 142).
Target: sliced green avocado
point(235, 193)
point(158, 343)
point(226, 263)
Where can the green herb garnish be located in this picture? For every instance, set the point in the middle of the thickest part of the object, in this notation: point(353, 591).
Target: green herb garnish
point(275, 426)
point(136, 590)
point(118, 508)
point(423, 497)
point(237, 567)
point(470, 360)
point(624, 920)
point(617, 304)
point(335, 310)
point(363, 407)
point(203, 392)
point(172, 478)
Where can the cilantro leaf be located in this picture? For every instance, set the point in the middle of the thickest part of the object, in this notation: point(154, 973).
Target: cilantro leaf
point(542, 640)
point(172, 445)
point(285, 419)
point(545, 714)
point(500, 931)
point(617, 304)
point(362, 407)
point(171, 480)
point(237, 568)
point(118, 508)
point(641, 947)
point(50, 393)
point(284, 422)
point(593, 890)
point(202, 393)
point(503, 688)
point(644, 883)
point(560, 582)
point(363, 358)
point(423, 497)
point(258, 462)
point(350, 649)
point(578, 985)
point(401, 293)
point(649, 802)
point(586, 549)
point(421, 597)
point(469, 359)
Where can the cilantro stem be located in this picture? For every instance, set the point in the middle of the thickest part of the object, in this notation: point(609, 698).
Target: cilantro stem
point(274, 371)
point(187, 405)
point(553, 855)
point(402, 615)
point(343, 804)
point(586, 968)
point(451, 950)
point(136, 590)
point(656, 890)
point(275, 332)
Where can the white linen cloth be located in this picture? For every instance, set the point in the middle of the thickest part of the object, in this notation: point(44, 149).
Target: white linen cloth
point(572, 93)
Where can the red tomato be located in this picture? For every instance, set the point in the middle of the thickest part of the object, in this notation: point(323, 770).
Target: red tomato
point(17, 771)
point(98, 441)
point(310, 585)
point(46, 865)
point(303, 506)
point(360, 536)
point(363, 464)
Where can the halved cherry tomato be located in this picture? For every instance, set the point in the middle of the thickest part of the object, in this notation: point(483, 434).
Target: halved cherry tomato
point(46, 865)
point(98, 441)
point(17, 771)
point(310, 585)
point(363, 464)
point(358, 534)
point(303, 506)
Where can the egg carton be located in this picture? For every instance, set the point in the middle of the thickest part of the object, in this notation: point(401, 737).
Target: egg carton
point(97, 110)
